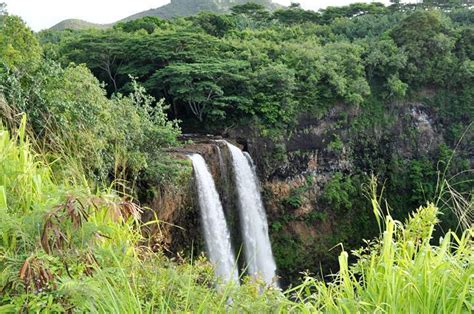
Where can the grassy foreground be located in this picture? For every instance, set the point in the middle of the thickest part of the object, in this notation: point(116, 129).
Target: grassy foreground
point(64, 248)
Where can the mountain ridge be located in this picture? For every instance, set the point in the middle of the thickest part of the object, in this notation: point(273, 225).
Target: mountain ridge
point(78, 24)
point(176, 8)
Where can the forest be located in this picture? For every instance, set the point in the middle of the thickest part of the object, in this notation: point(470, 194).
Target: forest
point(359, 119)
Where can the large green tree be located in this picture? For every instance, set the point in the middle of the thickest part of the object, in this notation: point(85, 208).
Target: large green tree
point(198, 85)
point(19, 48)
point(426, 36)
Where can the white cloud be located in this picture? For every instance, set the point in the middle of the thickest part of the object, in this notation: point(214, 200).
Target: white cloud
point(41, 14)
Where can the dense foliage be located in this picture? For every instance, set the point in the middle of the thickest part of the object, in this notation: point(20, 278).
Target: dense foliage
point(115, 138)
point(270, 67)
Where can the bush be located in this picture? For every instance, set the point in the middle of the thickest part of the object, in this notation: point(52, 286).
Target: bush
point(338, 192)
point(118, 138)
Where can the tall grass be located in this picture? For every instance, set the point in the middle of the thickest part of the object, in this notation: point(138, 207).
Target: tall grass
point(52, 231)
point(461, 204)
point(23, 179)
point(401, 272)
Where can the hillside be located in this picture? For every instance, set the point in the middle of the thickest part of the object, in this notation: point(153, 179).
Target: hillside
point(77, 24)
point(192, 7)
point(174, 9)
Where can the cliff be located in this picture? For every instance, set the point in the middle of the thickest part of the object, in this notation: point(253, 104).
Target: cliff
point(315, 181)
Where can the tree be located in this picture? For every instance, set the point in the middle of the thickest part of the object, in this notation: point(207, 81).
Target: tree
point(355, 9)
point(383, 63)
point(367, 25)
point(252, 10)
point(214, 24)
point(198, 85)
point(344, 74)
point(447, 4)
point(425, 36)
point(114, 55)
point(395, 4)
point(272, 87)
point(295, 15)
point(147, 23)
point(19, 48)
point(105, 55)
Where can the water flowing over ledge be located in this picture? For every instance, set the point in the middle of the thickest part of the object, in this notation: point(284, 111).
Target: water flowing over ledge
point(216, 233)
point(253, 219)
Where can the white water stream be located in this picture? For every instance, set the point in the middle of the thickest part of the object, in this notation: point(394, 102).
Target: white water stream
point(257, 246)
point(216, 233)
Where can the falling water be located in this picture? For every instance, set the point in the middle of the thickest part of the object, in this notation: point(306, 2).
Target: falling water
point(257, 247)
point(216, 232)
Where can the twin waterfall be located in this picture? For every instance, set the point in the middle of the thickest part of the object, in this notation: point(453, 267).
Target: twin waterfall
point(259, 261)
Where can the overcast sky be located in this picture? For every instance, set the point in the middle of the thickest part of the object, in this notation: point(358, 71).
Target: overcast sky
point(41, 14)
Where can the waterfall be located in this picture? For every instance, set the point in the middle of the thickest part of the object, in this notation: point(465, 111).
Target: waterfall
point(257, 246)
point(216, 233)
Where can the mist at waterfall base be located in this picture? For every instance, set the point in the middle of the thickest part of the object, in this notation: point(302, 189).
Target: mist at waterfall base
point(216, 232)
point(253, 219)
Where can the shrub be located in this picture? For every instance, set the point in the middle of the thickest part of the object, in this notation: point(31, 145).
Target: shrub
point(338, 192)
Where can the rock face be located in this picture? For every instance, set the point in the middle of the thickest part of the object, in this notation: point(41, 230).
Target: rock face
point(313, 180)
point(177, 207)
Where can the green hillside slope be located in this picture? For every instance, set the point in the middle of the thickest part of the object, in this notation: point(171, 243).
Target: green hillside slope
point(174, 9)
point(77, 24)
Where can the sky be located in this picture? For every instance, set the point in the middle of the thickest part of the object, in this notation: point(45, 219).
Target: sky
point(41, 14)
